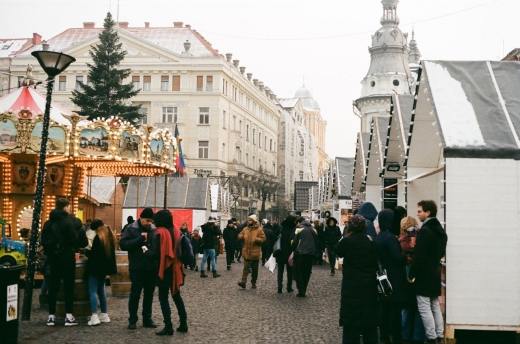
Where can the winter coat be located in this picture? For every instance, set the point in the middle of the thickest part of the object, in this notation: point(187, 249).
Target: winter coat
point(359, 305)
point(132, 241)
point(321, 235)
point(82, 233)
point(287, 231)
point(230, 236)
point(253, 238)
point(173, 271)
point(369, 212)
point(304, 239)
point(195, 244)
point(332, 233)
point(186, 233)
point(429, 249)
point(269, 236)
point(391, 258)
point(98, 264)
point(65, 226)
point(209, 231)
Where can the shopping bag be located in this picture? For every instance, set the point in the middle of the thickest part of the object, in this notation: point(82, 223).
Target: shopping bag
point(271, 263)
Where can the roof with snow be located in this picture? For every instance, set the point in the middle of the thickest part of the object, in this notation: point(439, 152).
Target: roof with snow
point(12, 46)
point(99, 190)
point(475, 106)
point(376, 149)
point(288, 102)
point(308, 102)
point(360, 161)
point(345, 169)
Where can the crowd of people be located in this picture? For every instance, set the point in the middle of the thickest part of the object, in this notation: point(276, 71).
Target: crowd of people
point(409, 254)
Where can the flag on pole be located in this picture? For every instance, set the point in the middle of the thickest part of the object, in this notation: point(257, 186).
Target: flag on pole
point(179, 161)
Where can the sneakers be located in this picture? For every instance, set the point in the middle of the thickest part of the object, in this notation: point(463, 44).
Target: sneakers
point(71, 322)
point(94, 320)
point(242, 285)
point(51, 320)
point(103, 317)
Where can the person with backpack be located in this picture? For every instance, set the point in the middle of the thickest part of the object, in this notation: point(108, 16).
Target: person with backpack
point(168, 251)
point(60, 243)
point(101, 262)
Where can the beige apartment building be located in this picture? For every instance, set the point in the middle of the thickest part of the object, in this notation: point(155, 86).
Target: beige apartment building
point(228, 120)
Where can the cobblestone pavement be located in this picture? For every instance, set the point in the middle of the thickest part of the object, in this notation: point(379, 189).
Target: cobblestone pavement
point(219, 311)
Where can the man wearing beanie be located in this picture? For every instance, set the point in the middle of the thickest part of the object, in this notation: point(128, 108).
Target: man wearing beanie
point(209, 232)
point(253, 237)
point(137, 238)
point(230, 236)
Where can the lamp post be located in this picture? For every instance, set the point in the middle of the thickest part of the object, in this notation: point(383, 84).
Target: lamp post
point(235, 193)
point(53, 63)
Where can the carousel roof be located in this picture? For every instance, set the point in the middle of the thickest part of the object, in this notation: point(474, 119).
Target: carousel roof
point(28, 98)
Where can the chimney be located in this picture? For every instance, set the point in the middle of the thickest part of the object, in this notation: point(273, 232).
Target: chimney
point(261, 86)
point(229, 56)
point(249, 76)
point(178, 24)
point(188, 26)
point(37, 39)
point(147, 25)
point(255, 82)
point(273, 96)
point(123, 25)
point(236, 62)
point(45, 46)
point(89, 25)
point(242, 70)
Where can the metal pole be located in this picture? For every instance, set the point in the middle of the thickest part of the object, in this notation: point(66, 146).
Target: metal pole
point(115, 203)
point(38, 198)
point(137, 199)
point(155, 192)
point(165, 204)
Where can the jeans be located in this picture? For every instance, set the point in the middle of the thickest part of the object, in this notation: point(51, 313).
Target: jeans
point(351, 335)
point(211, 253)
point(332, 256)
point(96, 287)
point(141, 280)
point(165, 306)
point(302, 271)
point(412, 326)
point(281, 267)
point(66, 271)
point(430, 310)
point(254, 269)
point(390, 321)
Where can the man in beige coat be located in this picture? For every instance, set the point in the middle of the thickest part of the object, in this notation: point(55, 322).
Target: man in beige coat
point(253, 237)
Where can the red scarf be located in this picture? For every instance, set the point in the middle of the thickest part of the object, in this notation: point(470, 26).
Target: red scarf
point(168, 258)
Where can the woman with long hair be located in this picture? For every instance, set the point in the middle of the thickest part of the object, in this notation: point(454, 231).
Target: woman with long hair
point(101, 262)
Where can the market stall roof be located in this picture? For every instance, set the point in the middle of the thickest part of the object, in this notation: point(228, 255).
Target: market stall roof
point(190, 193)
point(476, 107)
point(100, 189)
point(344, 170)
point(360, 161)
point(376, 149)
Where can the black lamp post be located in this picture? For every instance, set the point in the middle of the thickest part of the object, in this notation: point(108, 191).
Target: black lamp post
point(53, 63)
point(235, 193)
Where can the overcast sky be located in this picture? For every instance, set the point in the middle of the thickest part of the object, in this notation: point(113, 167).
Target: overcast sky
point(284, 42)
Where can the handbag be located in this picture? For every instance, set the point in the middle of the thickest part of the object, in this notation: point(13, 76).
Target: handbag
point(277, 247)
point(384, 287)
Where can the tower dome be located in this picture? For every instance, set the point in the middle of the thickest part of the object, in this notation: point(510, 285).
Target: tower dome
point(307, 99)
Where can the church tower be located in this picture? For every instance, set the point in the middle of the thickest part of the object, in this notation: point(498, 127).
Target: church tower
point(389, 71)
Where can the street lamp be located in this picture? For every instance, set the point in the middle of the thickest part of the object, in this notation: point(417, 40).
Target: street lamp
point(53, 63)
point(235, 193)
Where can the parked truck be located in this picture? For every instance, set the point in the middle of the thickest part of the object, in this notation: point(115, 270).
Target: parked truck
point(12, 252)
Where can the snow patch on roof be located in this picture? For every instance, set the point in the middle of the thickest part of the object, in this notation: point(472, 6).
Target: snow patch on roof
point(456, 115)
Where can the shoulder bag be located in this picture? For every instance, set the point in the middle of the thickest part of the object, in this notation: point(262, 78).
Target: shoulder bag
point(384, 287)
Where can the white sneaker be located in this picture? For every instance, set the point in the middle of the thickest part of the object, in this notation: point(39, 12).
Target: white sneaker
point(93, 320)
point(103, 317)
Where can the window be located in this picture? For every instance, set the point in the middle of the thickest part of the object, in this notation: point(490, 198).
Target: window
point(144, 112)
point(265, 142)
point(165, 81)
point(176, 83)
point(260, 164)
point(169, 114)
point(199, 82)
point(203, 149)
point(396, 82)
point(204, 115)
point(254, 136)
point(62, 86)
point(79, 79)
point(271, 145)
point(301, 175)
point(224, 152)
point(224, 120)
point(247, 159)
point(136, 82)
point(274, 169)
point(247, 132)
point(260, 140)
point(147, 83)
point(240, 126)
point(253, 161)
point(238, 153)
point(90, 83)
point(209, 83)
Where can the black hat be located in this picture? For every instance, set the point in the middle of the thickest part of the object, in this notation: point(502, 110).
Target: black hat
point(229, 221)
point(147, 213)
point(96, 224)
point(163, 218)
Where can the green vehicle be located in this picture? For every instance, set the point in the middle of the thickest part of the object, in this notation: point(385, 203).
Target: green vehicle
point(12, 252)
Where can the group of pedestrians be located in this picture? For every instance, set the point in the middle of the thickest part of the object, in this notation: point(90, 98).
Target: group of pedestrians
point(411, 258)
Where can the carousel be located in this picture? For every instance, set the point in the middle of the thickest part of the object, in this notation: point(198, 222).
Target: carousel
point(77, 151)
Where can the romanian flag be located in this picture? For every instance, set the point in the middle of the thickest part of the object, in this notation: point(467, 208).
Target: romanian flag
point(179, 161)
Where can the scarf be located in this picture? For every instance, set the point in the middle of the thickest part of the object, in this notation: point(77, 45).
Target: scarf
point(166, 257)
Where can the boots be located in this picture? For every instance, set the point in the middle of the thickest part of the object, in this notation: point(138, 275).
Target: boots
point(183, 327)
point(215, 274)
point(332, 271)
point(202, 274)
point(166, 331)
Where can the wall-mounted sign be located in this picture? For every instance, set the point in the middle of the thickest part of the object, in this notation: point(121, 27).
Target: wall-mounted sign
point(390, 185)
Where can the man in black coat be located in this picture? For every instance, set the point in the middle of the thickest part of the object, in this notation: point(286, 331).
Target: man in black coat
point(267, 246)
point(61, 240)
point(209, 232)
point(332, 236)
point(230, 236)
point(303, 246)
point(143, 269)
point(425, 272)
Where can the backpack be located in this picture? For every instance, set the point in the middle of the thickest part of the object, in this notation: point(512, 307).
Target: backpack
point(184, 250)
point(52, 240)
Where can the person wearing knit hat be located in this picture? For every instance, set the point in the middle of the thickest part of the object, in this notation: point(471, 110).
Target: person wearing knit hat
point(137, 238)
point(230, 236)
point(210, 231)
point(253, 237)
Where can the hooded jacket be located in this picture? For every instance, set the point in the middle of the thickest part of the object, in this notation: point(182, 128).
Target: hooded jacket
point(369, 212)
point(332, 233)
point(132, 241)
point(304, 239)
point(253, 237)
point(429, 249)
point(209, 231)
point(66, 230)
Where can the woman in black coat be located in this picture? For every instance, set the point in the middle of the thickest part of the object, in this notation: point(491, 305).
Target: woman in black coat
point(287, 233)
point(394, 262)
point(358, 310)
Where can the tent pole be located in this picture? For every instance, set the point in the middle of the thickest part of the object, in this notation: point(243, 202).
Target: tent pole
point(137, 199)
point(115, 203)
point(165, 203)
point(155, 192)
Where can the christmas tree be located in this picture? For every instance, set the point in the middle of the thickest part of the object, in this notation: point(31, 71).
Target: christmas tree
point(104, 94)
